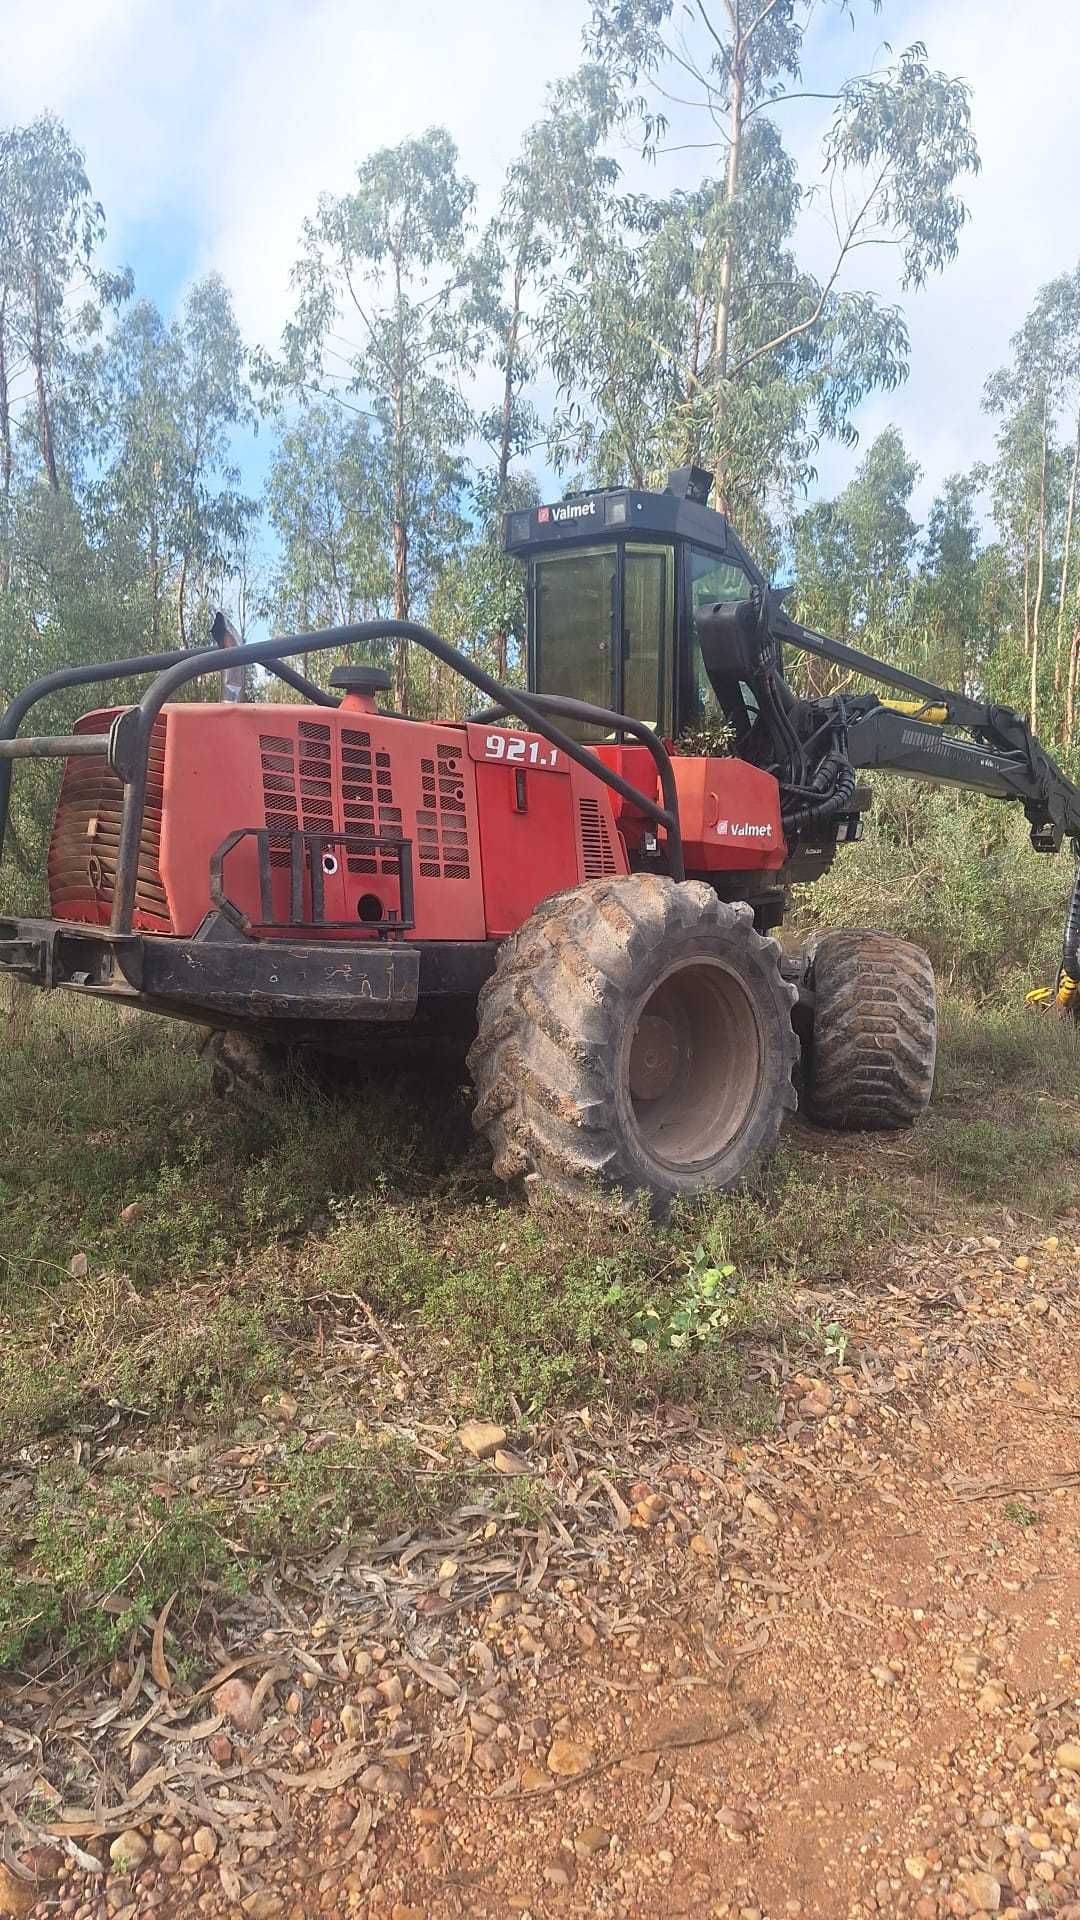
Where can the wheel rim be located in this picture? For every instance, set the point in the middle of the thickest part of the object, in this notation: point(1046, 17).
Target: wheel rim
point(692, 1065)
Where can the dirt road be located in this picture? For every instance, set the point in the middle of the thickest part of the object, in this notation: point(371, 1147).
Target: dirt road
point(832, 1673)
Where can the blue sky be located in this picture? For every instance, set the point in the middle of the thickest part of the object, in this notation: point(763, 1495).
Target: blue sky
point(211, 126)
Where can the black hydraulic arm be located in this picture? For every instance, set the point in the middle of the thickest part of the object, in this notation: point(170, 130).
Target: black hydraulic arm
point(1002, 758)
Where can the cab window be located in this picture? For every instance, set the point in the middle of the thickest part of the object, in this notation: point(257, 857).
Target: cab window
point(575, 607)
point(648, 617)
point(711, 579)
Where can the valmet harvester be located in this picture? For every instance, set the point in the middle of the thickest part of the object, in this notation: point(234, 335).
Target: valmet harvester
point(588, 875)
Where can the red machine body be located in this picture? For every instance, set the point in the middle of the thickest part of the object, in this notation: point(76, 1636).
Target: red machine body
point(497, 820)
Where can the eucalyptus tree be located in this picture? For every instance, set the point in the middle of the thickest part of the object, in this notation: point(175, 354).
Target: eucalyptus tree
point(1035, 481)
point(381, 285)
point(692, 309)
point(854, 555)
point(165, 488)
point(324, 503)
point(51, 228)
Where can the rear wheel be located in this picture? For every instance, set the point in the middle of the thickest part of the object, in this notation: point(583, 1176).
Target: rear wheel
point(636, 1034)
point(870, 1062)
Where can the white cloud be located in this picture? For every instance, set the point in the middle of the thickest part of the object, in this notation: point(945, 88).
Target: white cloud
point(225, 120)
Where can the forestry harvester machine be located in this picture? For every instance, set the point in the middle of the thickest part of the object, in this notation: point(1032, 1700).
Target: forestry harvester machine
point(596, 903)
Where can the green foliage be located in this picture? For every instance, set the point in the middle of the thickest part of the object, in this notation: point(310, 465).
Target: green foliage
point(704, 1311)
point(1020, 1513)
point(957, 875)
point(90, 1585)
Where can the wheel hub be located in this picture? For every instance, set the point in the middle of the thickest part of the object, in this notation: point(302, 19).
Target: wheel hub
point(654, 1057)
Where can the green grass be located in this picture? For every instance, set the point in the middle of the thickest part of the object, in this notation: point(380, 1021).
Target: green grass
point(251, 1240)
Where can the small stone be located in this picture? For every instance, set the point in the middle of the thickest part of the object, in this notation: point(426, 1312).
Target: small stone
point(592, 1840)
point(648, 1511)
point(968, 1668)
point(282, 1407)
point(815, 1405)
point(643, 1763)
point(480, 1438)
point(992, 1697)
point(128, 1850)
point(534, 1780)
point(390, 1782)
point(487, 1755)
point(917, 1865)
point(162, 1842)
point(130, 1212)
point(205, 1842)
point(233, 1699)
point(261, 1905)
point(390, 1691)
point(703, 1547)
point(510, 1463)
point(221, 1749)
point(80, 1266)
point(400, 1912)
point(982, 1890)
point(760, 1509)
point(1068, 1755)
point(568, 1758)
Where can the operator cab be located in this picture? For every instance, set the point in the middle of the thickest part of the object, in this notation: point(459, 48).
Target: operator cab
point(615, 581)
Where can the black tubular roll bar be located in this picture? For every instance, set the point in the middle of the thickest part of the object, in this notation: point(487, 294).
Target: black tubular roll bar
point(128, 744)
point(89, 675)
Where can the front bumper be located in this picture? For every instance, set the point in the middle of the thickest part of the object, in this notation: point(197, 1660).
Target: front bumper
point(228, 979)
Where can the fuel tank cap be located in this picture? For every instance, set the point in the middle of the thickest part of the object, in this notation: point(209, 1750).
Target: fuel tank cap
point(361, 679)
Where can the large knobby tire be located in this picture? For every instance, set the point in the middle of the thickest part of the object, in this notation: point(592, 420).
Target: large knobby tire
point(870, 1062)
point(636, 1035)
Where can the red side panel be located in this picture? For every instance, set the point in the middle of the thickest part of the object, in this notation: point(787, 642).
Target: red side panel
point(544, 824)
point(310, 768)
point(729, 810)
point(730, 813)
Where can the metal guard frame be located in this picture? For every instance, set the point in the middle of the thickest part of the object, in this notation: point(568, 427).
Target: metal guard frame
point(128, 746)
point(314, 842)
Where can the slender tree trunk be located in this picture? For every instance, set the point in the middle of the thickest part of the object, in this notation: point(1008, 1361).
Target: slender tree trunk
point(154, 577)
point(1070, 697)
point(506, 424)
point(1040, 577)
point(1027, 601)
point(37, 354)
point(181, 601)
point(722, 318)
point(6, 458)
point(1064, 587)
point(401, 548)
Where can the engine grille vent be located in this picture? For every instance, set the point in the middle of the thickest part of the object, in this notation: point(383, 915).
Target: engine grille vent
point(441, 833)
point(86, 838)
point(368, 799)
point(597, 853)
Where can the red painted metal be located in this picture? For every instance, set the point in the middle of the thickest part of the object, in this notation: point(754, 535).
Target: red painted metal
point(498, 819)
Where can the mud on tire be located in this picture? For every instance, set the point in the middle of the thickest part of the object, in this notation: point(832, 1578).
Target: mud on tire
point(636, 1034)
point(870, 1062)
